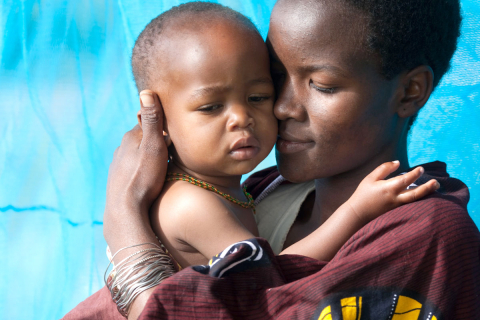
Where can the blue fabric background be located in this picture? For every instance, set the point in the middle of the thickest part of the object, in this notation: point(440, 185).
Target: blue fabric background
point(66, 98)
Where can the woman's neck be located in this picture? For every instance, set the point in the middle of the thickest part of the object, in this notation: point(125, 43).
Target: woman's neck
point(332, 192)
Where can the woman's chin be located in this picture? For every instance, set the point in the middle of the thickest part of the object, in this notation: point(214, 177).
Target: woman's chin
point(294, 171)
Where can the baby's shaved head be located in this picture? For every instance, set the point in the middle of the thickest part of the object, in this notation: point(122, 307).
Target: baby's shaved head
point(192, 16)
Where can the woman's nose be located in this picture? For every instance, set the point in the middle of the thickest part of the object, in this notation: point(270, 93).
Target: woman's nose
point(288, 106)
point(240, 117)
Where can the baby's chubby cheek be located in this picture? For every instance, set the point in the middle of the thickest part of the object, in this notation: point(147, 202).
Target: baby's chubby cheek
point(196, 151)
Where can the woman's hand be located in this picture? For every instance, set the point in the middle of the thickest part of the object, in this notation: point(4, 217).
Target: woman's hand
point(135, 179)
point(139, 165)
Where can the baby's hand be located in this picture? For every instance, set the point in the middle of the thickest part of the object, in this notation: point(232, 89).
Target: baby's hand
point(375, 196)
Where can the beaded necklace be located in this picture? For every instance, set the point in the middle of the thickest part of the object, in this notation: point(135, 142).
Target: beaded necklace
point(173, 176)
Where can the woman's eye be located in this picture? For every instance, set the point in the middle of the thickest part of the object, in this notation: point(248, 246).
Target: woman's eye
point(323, 89)
point(256, 99)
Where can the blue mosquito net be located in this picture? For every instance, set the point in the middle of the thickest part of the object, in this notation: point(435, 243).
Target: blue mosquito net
point(67, 96)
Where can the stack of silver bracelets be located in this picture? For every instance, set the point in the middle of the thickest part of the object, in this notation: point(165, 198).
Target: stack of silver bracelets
point(136, 273)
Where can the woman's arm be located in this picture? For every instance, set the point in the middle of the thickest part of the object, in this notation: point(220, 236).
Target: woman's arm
point(373, 197)
point(135, 179)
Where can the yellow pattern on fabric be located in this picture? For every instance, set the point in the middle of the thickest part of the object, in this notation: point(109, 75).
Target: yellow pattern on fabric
point(407, 309)
point(359, 307)
point(326, 314)
point(350, 307)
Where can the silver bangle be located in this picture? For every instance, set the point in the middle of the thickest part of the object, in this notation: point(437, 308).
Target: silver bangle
point(136, 273)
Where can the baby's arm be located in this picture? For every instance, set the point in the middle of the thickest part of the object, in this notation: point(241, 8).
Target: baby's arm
point(188, 215)
point(373, 197)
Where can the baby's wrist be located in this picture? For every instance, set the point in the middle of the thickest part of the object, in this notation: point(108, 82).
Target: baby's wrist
point(356, 214)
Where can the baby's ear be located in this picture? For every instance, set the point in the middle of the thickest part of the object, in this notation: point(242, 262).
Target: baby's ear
point(139, 118)
point(166, 136)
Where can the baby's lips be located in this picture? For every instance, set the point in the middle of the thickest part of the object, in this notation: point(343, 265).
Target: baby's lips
point(245, 142)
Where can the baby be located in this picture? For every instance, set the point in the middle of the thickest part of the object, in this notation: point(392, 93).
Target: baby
point(213, 79)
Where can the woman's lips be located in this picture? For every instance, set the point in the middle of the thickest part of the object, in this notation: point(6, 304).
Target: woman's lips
point(289, 146)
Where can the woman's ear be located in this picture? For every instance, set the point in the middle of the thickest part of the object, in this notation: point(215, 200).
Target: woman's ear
point(417, 88)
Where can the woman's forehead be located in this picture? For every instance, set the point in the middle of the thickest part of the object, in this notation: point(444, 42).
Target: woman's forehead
point(323, 20)
point(322, 34)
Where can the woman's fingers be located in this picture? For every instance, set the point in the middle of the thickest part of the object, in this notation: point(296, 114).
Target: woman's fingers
point(131, 140)
point(419, 192)
point(383, 170)
point(151, 116)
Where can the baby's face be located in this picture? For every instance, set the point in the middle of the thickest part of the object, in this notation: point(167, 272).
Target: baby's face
point(218, 97)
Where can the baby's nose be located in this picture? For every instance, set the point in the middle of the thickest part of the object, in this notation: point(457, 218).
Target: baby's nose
point(240, 117)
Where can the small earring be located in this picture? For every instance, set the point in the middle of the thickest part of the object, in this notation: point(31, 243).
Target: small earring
point(167, 139)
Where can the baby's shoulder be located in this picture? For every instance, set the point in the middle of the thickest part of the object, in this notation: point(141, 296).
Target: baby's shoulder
point(182, 200)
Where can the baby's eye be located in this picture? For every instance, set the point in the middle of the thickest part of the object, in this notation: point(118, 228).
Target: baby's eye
point(257, 99)
point(327, 90)
point(210, 108)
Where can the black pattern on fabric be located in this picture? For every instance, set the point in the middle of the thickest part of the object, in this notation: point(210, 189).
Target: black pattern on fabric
point(237, 257)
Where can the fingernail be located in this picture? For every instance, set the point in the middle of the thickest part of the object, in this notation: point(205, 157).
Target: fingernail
point(437, 185)
point(422, 170)
point(147, 99)
point(395, 161)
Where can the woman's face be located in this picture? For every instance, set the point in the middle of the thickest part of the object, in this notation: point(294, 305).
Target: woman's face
point(336, 112)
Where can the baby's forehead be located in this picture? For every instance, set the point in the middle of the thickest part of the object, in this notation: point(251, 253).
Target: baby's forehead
point(183, 38)
point(180, 28)
point(208, 28)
